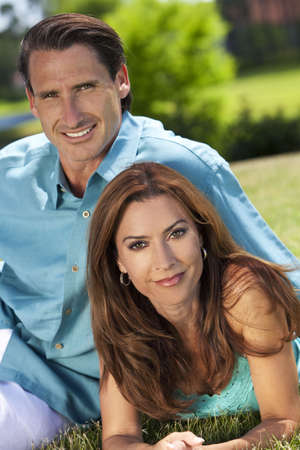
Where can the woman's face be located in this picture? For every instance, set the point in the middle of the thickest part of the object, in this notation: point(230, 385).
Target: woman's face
point(159, 247)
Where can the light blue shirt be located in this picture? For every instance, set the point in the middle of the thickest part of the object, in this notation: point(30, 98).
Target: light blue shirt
point(43, 244)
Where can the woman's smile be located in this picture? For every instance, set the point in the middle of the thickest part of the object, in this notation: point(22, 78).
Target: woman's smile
point(171, 281)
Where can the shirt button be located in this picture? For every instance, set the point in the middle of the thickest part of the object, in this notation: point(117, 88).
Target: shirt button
point(86, 214)
point(59, 346)
point(75, 268)
point(68, 311)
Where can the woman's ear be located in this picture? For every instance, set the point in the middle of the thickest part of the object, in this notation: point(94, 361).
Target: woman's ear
point(121, 266)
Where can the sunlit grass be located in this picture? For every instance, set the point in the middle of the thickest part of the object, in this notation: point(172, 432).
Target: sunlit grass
point(273, 186)
point(213, 430)
point(264, 91)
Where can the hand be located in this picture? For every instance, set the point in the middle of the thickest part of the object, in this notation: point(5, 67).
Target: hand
point(180, 441)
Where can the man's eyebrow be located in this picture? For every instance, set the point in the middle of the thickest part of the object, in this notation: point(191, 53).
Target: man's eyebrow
point(43, 94)
point(166, 231)
point(83, 83)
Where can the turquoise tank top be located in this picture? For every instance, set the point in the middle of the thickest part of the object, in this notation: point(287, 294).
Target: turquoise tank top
point(238, 396)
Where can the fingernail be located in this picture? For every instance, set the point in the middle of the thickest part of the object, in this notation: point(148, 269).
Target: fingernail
point(198, 440)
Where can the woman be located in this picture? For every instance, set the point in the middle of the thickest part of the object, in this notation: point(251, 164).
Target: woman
point(185, 322)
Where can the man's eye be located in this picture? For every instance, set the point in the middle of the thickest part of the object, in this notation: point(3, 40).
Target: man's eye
point(176, 234)
point(49, 95)
point(138, 245)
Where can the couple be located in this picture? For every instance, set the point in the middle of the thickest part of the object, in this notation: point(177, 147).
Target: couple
point(77, 85)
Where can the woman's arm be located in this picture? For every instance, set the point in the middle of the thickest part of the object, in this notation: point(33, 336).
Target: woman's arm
point(121, 428)
point(120, 421)
point(274, 377)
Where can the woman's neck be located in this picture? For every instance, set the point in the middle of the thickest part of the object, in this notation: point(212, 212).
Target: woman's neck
point(184, 317)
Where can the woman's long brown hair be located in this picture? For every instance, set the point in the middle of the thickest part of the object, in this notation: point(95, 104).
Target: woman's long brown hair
point(137, 346)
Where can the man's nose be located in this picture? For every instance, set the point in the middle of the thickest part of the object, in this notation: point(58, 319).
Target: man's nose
point(71, 114)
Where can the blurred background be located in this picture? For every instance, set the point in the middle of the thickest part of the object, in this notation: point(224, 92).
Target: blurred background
point(225, 72)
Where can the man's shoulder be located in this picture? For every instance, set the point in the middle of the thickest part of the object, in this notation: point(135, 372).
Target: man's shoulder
point(22, 151)
point(160, 143)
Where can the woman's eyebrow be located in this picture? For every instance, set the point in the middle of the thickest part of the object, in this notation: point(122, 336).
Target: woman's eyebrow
point(164, 232)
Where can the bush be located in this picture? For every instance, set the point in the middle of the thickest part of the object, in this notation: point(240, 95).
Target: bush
point(248, 137)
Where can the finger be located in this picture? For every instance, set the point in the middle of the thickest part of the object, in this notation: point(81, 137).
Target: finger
point(176, 445)
point(187, 437)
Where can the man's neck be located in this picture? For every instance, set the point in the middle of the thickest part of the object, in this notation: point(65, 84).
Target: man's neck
point(79, 176)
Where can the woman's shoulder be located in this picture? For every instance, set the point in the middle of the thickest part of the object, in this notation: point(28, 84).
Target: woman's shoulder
point(251, 306)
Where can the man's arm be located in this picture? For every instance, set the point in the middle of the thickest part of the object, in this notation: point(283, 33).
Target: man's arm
point(246, 225)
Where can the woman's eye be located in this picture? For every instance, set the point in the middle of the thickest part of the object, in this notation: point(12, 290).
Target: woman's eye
point(138, 245)
point(176, 234)
point(85, 86)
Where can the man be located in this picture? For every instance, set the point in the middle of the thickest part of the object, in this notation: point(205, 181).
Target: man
point(77, 85)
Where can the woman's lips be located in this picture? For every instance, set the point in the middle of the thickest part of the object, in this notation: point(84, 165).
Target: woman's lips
point(172, 281)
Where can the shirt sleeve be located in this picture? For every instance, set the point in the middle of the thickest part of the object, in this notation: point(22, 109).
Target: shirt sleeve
point(245, 224)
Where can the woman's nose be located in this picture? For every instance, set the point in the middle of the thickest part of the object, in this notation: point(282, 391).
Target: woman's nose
point(164, 257)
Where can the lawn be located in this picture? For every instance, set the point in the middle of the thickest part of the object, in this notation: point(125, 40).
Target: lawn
point(273, 185)
point(264, 91)
point(213, 430)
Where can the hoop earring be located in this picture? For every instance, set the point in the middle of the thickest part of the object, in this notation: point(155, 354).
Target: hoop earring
point(204, 253)
point(124, 279)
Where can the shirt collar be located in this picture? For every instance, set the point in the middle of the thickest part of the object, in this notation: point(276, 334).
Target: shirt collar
point(124, 149)
point(62, 183)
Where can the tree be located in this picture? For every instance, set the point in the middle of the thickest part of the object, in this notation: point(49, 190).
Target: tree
point(97, 8)
point(174, 50)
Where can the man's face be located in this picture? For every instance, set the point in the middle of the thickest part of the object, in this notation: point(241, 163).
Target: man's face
point(77, 102)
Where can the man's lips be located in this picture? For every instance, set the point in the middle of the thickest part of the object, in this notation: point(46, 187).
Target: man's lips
point(172, 281)
point(79, 134)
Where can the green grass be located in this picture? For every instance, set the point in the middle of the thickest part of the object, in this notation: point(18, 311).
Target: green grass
point(10, 108)
point(213, 430)
point(273, 185)
point(264, 91)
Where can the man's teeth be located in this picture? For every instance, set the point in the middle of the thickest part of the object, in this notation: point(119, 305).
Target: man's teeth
point(81, 133)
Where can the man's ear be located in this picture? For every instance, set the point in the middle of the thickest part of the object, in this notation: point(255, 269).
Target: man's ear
point(122, 80)
point(31, 100)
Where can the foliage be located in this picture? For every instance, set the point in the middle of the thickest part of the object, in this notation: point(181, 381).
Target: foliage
point(9, 44)
point(254, 44)
point(250, 137)
point(174, 50)
point(97, 8)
